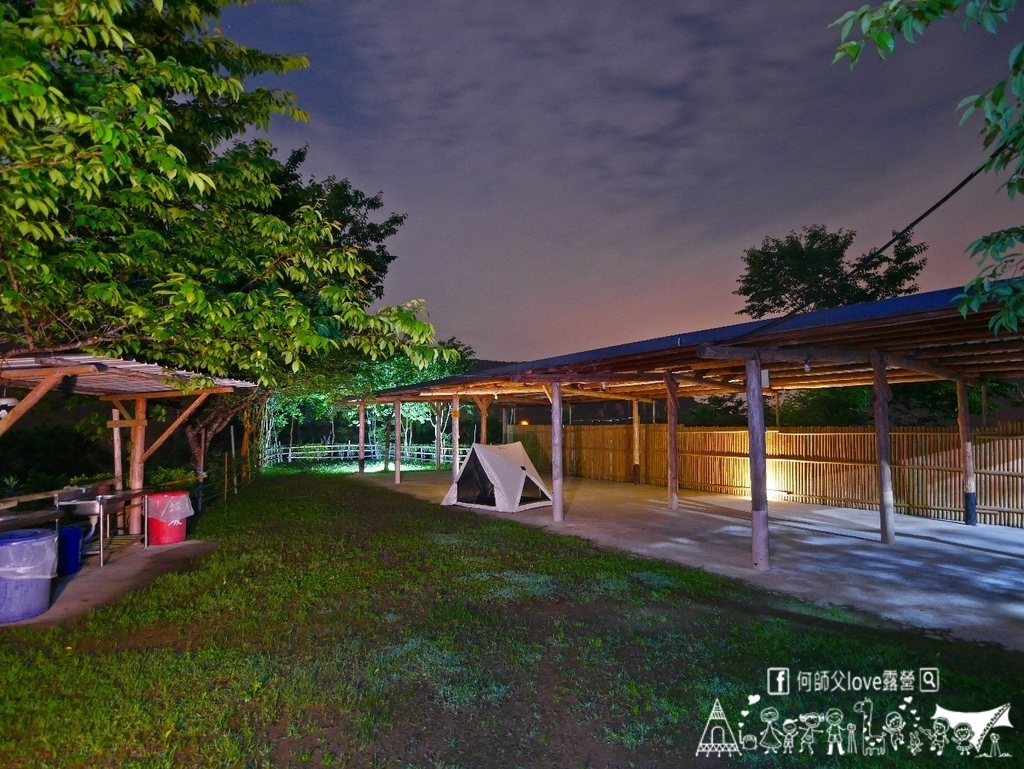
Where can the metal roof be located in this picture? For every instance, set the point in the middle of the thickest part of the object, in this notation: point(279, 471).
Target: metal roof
point(923, 337)
point(92, 375)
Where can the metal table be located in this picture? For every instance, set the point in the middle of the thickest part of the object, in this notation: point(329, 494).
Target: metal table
point(99, 507)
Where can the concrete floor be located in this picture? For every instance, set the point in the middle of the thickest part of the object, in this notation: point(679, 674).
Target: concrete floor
point(131, 568)
point(945, 577)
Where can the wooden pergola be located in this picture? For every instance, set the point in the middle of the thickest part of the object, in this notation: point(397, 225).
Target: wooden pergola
point(124, 384)
point(917, 338)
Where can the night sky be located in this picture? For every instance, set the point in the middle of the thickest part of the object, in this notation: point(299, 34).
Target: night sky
point(580, 174)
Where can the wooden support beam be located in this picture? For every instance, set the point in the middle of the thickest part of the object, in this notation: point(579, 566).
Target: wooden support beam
point(437, 409)
point(963, 414)
point(812, 355)
point(18, 375)
point(125, 413)
point(635, 471)
point(880, 396)
point(167, 394)
point(788, 355)
point(29, 401)
point(398, 442)
point(596, 395)
point(118, 458)
point(361, 451)
point(760, 553)
point(137, 464)
point(483, 404)
point(455, 437)
point(706, 381)
point(504, 425)
point(175, 425)
point(112, 423)
point(672, 407)
point(557, 501)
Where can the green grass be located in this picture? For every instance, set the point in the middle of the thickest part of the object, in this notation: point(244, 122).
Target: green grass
point(339, 624)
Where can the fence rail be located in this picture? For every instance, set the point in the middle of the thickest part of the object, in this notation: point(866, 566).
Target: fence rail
point(833, 466)
point(349, 452)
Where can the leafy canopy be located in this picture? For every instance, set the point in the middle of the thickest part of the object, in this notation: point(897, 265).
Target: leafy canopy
point(132, 225)
point(999, 261)
point(810, 271)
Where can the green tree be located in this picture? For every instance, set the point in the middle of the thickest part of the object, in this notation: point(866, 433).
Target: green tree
point(352, 210)
point(998, 258)
point(132, 225)
point(810, 270)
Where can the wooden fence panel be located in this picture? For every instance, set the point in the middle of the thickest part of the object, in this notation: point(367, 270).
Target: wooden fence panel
point(828, 465)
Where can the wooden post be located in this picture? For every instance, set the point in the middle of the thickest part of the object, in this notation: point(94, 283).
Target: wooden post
point(557, 502)
point(437, 435)
point(984, 406)
point(483, 403)
point(635, 472)
point(963, 414)
point(672, 408)
point(760, 553)
point(227, 470)
point(118, 458)
point(362, 438)
point(398, 442)
point(455, 436)
point(880, 396)
point(504, 425)
point(137, 464)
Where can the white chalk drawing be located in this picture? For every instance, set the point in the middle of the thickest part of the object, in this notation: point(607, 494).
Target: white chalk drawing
point(947, 732)
point(873, 744)
point(718, 737)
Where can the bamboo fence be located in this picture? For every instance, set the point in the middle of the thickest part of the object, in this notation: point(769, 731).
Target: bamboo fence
point(823, 465)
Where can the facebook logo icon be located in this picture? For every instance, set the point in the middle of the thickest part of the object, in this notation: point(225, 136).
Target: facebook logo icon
point(778, 681)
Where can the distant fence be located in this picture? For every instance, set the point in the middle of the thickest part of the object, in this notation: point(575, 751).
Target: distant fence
point(349, 452)
point(827, 465)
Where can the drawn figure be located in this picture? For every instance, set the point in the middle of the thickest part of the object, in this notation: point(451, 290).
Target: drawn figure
point(789, 728)
point(812, 723)
point(962, 736)
point(872, 744)
point(894, 724)
point(914, 744)
point(994, 751)
point(770, 736)
point(834, 719)
point(851, 738)
point(938, 735)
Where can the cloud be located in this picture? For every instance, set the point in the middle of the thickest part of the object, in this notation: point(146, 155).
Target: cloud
point(577, 171)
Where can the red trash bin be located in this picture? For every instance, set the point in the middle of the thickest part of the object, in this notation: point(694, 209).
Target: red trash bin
point(167, 513)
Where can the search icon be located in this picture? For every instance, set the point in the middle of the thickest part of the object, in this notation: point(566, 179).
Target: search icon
point(929, 679)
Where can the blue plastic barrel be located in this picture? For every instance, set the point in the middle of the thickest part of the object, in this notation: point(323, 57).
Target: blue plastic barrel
point(28, 563)
point(69, 550)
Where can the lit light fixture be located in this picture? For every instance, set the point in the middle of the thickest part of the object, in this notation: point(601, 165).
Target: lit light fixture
point(525, 423)
point(7, 405)
point(807, 365)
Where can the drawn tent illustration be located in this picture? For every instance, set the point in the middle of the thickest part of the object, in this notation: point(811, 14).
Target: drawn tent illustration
point(498, 478)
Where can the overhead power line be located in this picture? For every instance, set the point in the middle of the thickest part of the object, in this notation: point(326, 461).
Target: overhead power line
point(875, 256)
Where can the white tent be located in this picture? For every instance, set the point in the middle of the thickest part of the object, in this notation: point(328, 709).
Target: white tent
point(498, 478)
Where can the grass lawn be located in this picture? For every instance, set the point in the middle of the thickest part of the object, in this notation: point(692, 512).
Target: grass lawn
point(339, 624)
